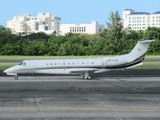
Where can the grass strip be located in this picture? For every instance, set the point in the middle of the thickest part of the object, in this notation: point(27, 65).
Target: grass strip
point(149, 65)
point(5, 65)
point(45, 57)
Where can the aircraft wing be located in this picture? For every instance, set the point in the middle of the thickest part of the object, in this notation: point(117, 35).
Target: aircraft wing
point(66, 70)
point(79, 70)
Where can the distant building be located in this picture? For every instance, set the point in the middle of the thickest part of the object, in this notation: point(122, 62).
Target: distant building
point(93, 28)
point(56, 22)
point(44, 22)
point(140, 20)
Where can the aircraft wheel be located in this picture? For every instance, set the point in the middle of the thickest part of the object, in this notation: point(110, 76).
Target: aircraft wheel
point(89, 77)
point(16, 77)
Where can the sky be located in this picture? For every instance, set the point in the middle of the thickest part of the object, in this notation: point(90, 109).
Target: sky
point(74, 11)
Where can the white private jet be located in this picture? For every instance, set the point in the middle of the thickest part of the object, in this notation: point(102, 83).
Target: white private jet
point(83, 67)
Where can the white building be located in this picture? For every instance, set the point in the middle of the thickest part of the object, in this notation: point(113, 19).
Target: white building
point(56, 22)
point(18, 23)
point(93, 28)
point(140, 20)
point(44, 22)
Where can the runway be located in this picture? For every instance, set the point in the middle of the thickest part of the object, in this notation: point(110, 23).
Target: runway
point(73, 98)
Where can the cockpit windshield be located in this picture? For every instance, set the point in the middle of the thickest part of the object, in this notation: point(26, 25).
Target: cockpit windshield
point(22, 63)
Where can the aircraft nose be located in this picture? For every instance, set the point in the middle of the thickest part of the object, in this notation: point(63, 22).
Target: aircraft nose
point(8, 70)
point(5, 71)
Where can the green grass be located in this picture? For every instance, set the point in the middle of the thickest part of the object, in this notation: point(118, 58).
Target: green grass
point(153, 56)
point(149, 65)
point(38, 57)
point(4, 65)
point(146, 65)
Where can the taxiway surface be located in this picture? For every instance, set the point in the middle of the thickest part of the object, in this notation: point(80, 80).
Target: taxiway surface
point(73, 98)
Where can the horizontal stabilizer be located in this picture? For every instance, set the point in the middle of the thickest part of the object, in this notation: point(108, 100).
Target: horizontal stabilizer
point(135, 65)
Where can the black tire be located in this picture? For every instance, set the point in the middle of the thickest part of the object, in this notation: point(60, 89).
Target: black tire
point(89, 77)
point(16, 78)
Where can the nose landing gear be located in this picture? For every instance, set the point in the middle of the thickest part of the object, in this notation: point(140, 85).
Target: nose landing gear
point(16, 77)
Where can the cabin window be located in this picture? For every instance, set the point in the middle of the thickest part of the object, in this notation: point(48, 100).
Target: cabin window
point(55, 64)
point(51, 63)
point(92, 62)
point(73, 63)
point(82, 62)
point(63, 63)
point(24, 63)
point(47, 63)
point(68, 63)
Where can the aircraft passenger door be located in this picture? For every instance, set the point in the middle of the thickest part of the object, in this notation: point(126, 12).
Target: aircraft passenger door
point(104, 62)
point(32, 66)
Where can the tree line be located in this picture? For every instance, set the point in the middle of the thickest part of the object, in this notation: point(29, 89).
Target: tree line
point(112, 41)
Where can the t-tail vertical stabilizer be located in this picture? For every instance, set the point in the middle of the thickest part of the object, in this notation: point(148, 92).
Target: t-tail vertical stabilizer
point(139, 51)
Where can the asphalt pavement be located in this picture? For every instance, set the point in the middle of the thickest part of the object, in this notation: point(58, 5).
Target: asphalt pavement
point(73, 98)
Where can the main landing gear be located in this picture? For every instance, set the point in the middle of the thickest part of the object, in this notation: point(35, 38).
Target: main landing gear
point(87, 76)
